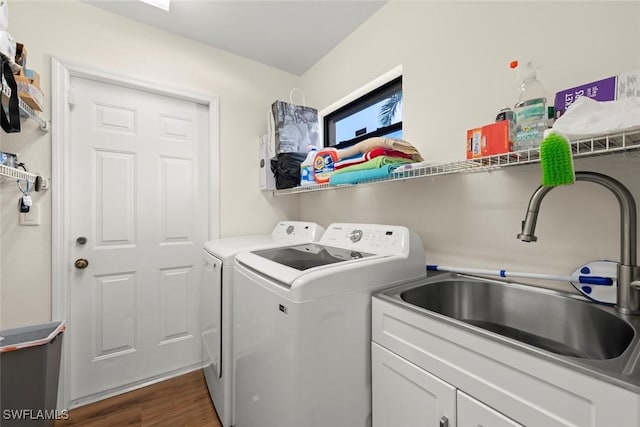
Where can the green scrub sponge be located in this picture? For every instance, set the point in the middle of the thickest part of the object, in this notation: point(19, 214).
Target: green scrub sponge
point(556, 161)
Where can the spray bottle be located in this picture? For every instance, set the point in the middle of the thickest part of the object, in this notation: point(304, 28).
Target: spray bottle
point(530, 112)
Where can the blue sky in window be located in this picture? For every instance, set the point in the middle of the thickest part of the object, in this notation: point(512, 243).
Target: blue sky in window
point(347, 127)
point(397, 134)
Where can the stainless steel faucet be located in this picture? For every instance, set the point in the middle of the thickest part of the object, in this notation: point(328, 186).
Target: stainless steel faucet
point(628, 297)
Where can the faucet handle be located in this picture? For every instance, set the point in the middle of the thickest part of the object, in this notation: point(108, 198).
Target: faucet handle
point(635, 284)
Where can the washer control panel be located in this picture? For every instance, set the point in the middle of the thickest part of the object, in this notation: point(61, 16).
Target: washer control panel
point(373, 238)
point(297, 230)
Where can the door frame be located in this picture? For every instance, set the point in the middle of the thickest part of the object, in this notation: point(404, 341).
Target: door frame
point(61, 73)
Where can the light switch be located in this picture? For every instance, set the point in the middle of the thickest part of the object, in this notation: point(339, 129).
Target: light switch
point(32, 217)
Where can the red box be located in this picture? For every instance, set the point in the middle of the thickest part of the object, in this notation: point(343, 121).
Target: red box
point(494, 138)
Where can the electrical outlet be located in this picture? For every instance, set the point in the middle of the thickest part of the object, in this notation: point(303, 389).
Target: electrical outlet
point(45, 184)
point(32, 217)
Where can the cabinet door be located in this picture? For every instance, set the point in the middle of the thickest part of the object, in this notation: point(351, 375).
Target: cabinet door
point(473, 413)
point(406, 396)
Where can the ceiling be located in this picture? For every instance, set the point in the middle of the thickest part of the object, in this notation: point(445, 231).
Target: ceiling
point(289, 35)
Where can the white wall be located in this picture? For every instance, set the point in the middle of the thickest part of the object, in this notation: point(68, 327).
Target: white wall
point(81, 33)
point(455, 58)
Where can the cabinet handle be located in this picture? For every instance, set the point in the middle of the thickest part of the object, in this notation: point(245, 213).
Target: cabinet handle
point(444, 422)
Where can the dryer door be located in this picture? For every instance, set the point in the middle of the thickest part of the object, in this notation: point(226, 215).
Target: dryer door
point(211, 308)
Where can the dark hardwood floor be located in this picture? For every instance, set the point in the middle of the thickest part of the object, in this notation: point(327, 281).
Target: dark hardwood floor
point(180, 401)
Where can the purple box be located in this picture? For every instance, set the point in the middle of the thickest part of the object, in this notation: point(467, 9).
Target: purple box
point(601, 90)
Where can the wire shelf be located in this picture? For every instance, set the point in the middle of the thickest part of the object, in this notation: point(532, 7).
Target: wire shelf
point(8, 172)
point(25, 110)
point(583, 147)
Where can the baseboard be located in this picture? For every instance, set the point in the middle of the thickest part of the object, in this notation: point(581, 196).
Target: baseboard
point(134, 386)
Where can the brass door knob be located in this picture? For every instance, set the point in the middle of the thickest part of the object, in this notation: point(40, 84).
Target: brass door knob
point(81, 263)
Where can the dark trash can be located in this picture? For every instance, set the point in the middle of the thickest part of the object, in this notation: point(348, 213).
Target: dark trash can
point(29, 373)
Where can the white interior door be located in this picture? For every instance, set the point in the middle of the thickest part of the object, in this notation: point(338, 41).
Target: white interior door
point(138, 215)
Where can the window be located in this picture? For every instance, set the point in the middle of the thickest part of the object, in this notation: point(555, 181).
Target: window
point(377, 113)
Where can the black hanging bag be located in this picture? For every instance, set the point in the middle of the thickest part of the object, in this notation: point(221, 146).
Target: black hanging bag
point(10, 124)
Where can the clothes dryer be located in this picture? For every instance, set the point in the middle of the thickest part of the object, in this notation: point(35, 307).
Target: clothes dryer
point(302, 324)
point(216, 303)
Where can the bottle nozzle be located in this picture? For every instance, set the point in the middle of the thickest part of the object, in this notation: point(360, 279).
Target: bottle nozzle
point(527, 71)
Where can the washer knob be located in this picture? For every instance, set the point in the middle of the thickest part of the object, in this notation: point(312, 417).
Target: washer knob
point(355, 236)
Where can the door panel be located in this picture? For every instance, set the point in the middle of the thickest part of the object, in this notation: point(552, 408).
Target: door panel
point(176, 191)
point(473, 413)
point(115, 118)
point(405, 395)
point(175, 304)
point(114, 198)
point(138, 193)
point(115, 315)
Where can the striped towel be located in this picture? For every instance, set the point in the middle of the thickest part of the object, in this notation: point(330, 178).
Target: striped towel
point(375, 142)
point(375, 163)
point(376, 152)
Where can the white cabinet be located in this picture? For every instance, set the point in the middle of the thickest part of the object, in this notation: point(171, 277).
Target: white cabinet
point(405, 395)
point(512, 386)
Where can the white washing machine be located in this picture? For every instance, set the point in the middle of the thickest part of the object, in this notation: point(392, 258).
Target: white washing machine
point(302, 324)
point(216, 303)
